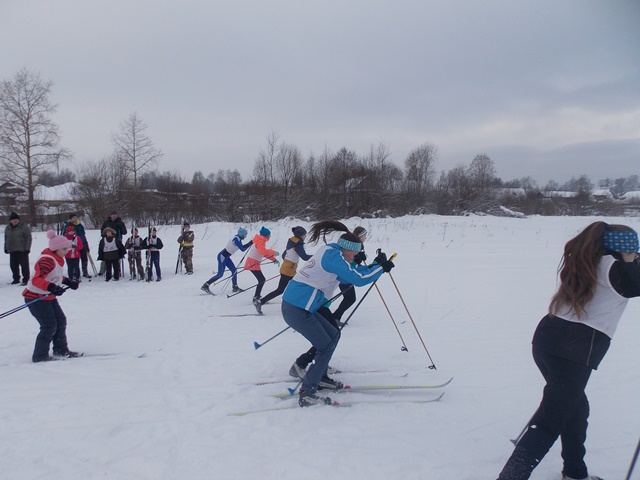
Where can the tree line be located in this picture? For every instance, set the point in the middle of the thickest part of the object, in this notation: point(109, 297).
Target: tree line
point(334, 183)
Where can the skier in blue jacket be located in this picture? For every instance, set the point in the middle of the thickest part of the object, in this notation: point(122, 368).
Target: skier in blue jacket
point(224, 260)
point(309, 291)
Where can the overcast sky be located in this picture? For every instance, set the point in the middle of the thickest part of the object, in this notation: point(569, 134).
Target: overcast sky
point(546, 88)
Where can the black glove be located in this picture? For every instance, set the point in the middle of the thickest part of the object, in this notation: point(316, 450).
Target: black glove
point(360, 258)
point(55, 289)
point(381, 258)
point(387, 266)
point(71, 284)
point(6, 251)
point(28, 251)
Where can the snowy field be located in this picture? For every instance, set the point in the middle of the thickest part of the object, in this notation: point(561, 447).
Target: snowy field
point(159, 408)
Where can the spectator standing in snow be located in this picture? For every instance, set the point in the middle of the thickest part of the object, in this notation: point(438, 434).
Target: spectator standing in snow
point(257, 253)
point(308, 291)
point(17, 243)
point(224, 260)
point(153, 244)
point(111, 251)
point(186, 247)
point(45, 286)
point(599, 272)
point(114, 222)
point(73, 255)
point(294, 251)
point(80, 231)
point(134, 255)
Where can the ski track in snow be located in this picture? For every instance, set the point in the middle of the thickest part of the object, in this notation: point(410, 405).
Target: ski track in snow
point(476, 287)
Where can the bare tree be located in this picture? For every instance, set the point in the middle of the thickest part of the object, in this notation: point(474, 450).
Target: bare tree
point(482, 173)
point(288, 165)
point(133, 148)
point(29, 139)
point(420, 168)
point(264, 169)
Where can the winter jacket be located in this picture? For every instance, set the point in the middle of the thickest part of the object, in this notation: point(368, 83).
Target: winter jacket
point(321, 275)
point(79, 228)
point(134, 243)
point(292, 255)
point(111, 248)
point(76, 246)
point(47, 270)
point(18, 238)
point(233, 246)
point(587, 340)
point(153, 244)
point(186, 239)
point(258, 252)
point(117, 224)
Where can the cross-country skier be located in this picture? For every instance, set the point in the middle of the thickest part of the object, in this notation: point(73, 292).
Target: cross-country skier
point(290, 258)
point(224, 260)
point(257, 253)
point(46, 284)
point(308, 291)
point(599, 272)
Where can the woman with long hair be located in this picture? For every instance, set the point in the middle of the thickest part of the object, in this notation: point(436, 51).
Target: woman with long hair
point(348, 292)
point(308, 292)
point(598, 273)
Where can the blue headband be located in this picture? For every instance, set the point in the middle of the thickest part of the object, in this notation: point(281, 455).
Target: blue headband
point(620, 241)
point(348, 245)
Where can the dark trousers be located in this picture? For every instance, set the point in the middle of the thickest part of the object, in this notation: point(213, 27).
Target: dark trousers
point(19, 261)
point(85, 261)
point(154, 262)
point(307, 357)
point(348, 299)
point(284, 281)
point(135, 262)
point(322, 335)
point(73, 269)
point(53, 328)
point(563, 413)
point(112, 265)
point(260, 277)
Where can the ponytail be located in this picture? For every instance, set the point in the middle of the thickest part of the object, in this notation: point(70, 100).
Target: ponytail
point(324, 227)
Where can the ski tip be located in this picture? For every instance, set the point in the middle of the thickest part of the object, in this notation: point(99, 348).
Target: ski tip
point(256, 345)
point(346, 387)
point(292, 391)
point(335, 404)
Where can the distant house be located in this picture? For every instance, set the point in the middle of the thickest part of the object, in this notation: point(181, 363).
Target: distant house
point(9, 194)
point(601, 194)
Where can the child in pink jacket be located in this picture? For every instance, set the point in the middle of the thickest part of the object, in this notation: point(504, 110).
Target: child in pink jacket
point(73, 255)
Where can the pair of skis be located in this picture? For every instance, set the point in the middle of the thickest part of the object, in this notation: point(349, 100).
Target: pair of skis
point(356, 389)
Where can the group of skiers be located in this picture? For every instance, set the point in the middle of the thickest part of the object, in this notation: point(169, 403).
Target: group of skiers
point(599, 272)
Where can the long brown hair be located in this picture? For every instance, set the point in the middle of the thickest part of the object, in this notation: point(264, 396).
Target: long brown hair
point(578, 268)
point(324, 227)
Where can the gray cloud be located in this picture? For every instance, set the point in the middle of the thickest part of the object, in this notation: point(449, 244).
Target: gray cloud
point(533, 84)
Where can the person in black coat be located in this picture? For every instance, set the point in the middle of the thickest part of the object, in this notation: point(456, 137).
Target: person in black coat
point(599, 272)
point(111, 251)
point(153, 244)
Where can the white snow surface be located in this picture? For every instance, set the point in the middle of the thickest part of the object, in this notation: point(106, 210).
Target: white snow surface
point(475, 287)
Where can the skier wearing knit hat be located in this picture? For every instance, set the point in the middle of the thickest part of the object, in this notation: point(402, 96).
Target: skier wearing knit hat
point(224, 260)
point(45, 286)
point(257, 253)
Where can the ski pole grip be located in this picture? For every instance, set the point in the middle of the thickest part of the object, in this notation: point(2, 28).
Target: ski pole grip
point(393, 256)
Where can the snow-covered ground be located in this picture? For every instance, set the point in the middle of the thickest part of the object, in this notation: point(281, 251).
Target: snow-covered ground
point(475, 286)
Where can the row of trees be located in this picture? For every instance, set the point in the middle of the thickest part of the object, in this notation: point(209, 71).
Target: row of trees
point(337, 183)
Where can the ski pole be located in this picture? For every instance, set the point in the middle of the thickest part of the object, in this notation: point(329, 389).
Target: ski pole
point(258, 345)
point(93, 265)
point(24, 305)
point(432, 366)
point(404, 345)
point(249, 288)
point(633, 462)
point(238, 271)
